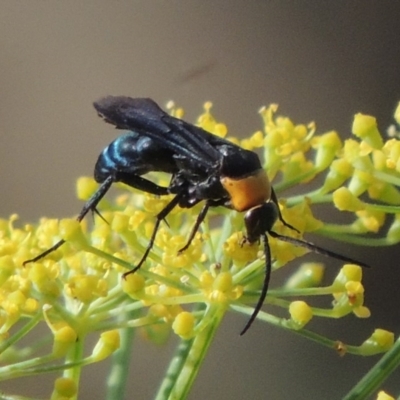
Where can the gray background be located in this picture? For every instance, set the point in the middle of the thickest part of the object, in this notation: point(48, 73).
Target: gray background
point(321, 62)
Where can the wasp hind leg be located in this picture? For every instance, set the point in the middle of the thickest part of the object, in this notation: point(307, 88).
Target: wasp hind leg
point(91, 204)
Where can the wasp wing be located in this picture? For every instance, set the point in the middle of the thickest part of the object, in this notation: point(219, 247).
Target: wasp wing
point(147, 118)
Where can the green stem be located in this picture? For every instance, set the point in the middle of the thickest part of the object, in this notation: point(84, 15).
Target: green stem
point(186, 363)
point(386, 177)
point(75, 356)
point(253, 295)
point(315, 197)
point(22, 332)
point(286, 324)
point(147, 274)
point(353, 239)
point(118, 376)
point(24, 368)
point(288, 183)
point(373, 380)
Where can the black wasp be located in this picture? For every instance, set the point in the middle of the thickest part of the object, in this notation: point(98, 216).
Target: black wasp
point(203, 167)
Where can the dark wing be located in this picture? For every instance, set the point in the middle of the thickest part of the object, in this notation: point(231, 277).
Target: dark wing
point(147, 118)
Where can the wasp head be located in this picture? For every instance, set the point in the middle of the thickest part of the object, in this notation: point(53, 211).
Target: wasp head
point(260, 219)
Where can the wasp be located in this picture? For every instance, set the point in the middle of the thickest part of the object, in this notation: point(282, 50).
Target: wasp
point(203, 168)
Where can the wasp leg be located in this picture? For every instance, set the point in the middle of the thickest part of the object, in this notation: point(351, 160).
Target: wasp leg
point(135, 181)
point(98, 213)
point(142, 184)
point(199, 220)
point(161, 215)
point(274, 198)
point(90, 205)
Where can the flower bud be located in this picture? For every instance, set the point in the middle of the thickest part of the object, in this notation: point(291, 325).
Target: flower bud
point(365, 127)
point(85, 187)
point(384, 396)
point(379, 342)
point(308, 275)
point(300, 313)
point(344, 200)
point(108, 343)
point(183, 324)
point(64, 338)
point(71, 231)
point(64, 388)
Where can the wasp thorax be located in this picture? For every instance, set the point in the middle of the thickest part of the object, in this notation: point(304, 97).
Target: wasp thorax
point(248, 191)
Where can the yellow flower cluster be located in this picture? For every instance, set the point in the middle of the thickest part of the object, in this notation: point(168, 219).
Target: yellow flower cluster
point(77, 289)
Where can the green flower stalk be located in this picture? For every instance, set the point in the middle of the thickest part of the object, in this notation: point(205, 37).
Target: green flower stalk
point(77, 290)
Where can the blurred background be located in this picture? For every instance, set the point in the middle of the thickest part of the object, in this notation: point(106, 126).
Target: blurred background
point(321, 61)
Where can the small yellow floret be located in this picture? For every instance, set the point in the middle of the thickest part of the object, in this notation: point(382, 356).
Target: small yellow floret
point(64, 338)
point(120, 222)
point(384, 396)
point(240, 250)
point(344, 200)
point(371, 220)
point(31, 305)
point(327, 146)
point(366, 128)
point(220, 130)
point(340, 170)
point(362, 312)
point(206, 279)
point(64, 388)
point(133, 283)
point(183, 324)
point(384, 192)
point(349, 272)
point(354, 288)
point(257, 139)
point(397, 113)
point(136, 219)
point(300, 313)
point(65, 335)
point(86, 288)
point(383, 338)
point(393, 234)
point(380, 341)
point(7, 268)
point(223, 282)
point(220, 289)
point(71, 231)
point(308, 275)
point(108, 343)
point(159, 310)
point(85, 187)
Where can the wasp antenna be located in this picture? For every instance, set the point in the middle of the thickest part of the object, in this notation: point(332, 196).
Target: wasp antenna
point(316, 249)
point(286, 224)
point(264, 289)
point(274, 198)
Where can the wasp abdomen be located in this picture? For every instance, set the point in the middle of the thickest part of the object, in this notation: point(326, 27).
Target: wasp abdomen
point(133, 154)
